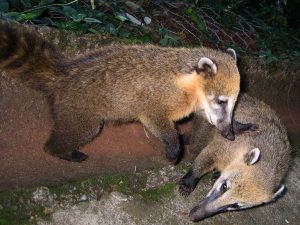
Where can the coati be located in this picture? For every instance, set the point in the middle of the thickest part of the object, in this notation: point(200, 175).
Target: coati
point(251, 168)
point(150, 84)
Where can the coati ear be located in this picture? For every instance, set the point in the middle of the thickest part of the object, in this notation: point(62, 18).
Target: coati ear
point(232, 53)
point(207, 66)
point(279, 192)
point(252, 156)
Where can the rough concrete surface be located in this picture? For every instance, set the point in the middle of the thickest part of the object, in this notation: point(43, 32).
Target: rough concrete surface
point(117, 208)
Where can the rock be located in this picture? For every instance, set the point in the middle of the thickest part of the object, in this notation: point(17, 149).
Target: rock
point(118, 208)
point(117, 197)
point(107, 211)
point(83, 198)
point(147, 20)
point(165, 175)
point(43, 195)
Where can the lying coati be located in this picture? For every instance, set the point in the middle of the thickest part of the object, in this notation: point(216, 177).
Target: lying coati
point(150, 84)
point(251, 168)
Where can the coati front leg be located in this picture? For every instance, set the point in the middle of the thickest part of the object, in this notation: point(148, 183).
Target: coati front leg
point(164, 129)
point(202, 165)
point(72, 130)
point(239, 128)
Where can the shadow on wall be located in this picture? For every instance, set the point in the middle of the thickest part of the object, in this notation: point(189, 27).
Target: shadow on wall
point(278, 86)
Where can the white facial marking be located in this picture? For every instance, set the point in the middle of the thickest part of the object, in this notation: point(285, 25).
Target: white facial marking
point(210, 192)
point(241, 206)
point(230, 106)
point(218, 184)
point(207, 110)
point(223, 98)
point(213, 111)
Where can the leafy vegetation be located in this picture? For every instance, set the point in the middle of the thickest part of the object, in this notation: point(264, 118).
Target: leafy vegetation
point(267, 28)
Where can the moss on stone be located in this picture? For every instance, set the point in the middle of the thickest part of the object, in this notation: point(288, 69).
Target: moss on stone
point(157, 194)
point(17, 208)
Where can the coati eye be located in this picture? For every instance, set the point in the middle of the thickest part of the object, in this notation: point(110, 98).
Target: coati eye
point(222, 102)
point(224, 187)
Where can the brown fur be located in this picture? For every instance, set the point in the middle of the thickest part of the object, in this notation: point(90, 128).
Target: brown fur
point(249, 184)
point(154, 85)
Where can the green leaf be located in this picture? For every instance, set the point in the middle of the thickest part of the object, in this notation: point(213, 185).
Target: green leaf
point(45, 2)
point(145, 38)
point(4, 6)
point(121, 17)
point(33, 14)
point(92, 30)
point(69, 11)
point(164, 41)
point(72, 25)
point(102, 28)
point(133, 19)
point(55, 9)
point(26, 4)
point(78, 17)
point(112, 29)
point(11, 16)
point(162, 31)
point(99, 14)
point(124, 34)
point(92, 20)
point(189, 10)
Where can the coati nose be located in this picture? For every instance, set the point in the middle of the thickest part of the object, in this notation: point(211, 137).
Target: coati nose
point(220, 121)
point(228, 134)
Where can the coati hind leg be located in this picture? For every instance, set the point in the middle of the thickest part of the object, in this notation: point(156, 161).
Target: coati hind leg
point(164, 129)
point(71, 131)
point(202, 164)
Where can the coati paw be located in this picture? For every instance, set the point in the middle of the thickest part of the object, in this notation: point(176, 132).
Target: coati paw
point(253, 130)
point(245, 128)
point(185, 190)
point(187, 184)
point(74, 156)
point(172, 155)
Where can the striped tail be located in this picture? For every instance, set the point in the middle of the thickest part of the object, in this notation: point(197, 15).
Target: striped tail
point(30, 58)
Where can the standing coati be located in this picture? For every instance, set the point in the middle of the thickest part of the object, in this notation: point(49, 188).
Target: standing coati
point(251, 168)
point(150, 84)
